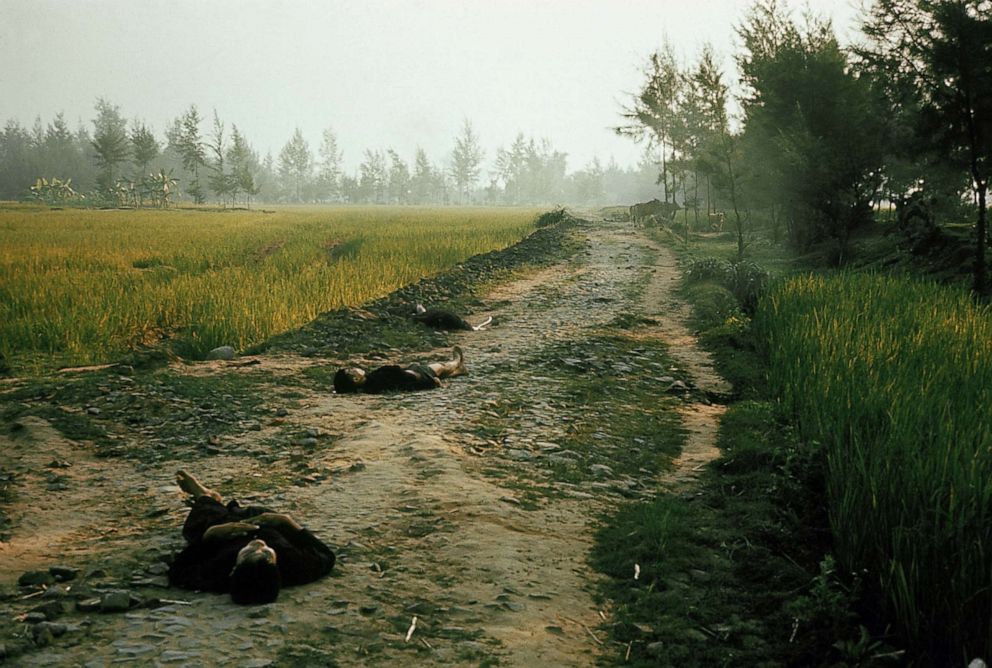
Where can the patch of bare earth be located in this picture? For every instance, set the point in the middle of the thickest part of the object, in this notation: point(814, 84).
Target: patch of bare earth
point(427, 517)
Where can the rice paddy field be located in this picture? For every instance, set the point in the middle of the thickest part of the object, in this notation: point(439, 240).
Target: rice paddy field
point(81, 286)
point(893, 378)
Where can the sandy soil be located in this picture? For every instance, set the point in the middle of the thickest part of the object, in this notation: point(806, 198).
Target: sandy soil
point(424, 521)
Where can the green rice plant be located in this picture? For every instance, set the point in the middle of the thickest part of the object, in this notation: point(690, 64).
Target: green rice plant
point(894, 378)
point(83, 286)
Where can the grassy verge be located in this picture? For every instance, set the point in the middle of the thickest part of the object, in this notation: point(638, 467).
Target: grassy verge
point(740, 572)
point(892, 376)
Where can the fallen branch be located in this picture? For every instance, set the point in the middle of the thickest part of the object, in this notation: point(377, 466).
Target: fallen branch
point(413, 627)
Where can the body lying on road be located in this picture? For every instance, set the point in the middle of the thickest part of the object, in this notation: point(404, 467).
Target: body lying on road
point(394, 378)
point(250, 551)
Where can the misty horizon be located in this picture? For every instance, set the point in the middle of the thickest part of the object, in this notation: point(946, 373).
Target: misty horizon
point(386, 75)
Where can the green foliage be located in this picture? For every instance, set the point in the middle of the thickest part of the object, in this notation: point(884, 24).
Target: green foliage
point(746, 280)
point(892, 376)
point(931, 59)
point(54, 191)
point(813, 127)
point(110, 141)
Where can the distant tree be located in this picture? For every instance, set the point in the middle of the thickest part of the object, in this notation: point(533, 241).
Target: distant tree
point(295, 165)
point(654, 113)
point(588, 184)
point(329, 170)
point(59, 154)
point(243, 165)
point(399, 179)
point(511, 169)
point(349, 189)
point(110, 142)
point(934, 60)
point(373, 177)
point(466, 159)
point(267, 180)
point(717, 151)
point(219, 180)
point(812, 125)
point(423, 180)
point(191, 148)
point(144, 149)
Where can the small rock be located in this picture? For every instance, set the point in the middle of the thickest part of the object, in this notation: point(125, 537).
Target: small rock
point(258, 612)
point(93, 410)
point(158, 568)
point(258, 663)
point(63, 573)
point(88, 605)
point(308, 442)
point(313, 432)
point(281, 412)
point(656, 648)
point(696, 635)
point(51, 610)
point(601, 470)
point(221, 353)
point(115, 601)
point(368, 609)
point(29, 578)
point(55, 628)
point(55, 591)
point(42, 635)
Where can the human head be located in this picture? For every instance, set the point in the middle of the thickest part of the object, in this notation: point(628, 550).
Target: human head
point(255, 578)
point(348, 380)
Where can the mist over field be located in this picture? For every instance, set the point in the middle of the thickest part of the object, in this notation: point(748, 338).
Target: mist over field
point(385, 78)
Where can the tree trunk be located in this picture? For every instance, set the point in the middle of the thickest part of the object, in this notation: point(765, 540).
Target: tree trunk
point(685, 212)
point(695, 198)
point(981, 270)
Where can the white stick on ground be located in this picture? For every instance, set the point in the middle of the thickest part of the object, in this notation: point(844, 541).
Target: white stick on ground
point(637, 571)
point(413, 627)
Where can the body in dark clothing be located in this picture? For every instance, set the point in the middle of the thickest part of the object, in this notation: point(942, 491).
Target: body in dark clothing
point(394, 378)
point(441, 319)
point(206, 564)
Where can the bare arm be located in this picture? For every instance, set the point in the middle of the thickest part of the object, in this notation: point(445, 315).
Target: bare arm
point(229, 530)
point(276, 520)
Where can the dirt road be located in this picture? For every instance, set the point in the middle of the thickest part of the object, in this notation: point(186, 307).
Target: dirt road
point(434, 515)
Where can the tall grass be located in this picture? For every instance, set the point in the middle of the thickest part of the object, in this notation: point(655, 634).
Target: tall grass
point(893, 377)
point(80, 286)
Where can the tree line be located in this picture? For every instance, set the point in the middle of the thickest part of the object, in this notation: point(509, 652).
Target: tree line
point(208, 160)
point(817, 137)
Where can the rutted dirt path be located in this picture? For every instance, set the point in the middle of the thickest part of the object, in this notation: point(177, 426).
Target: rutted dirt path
point(428, 517)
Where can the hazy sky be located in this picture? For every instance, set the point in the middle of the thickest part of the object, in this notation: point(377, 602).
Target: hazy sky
point(382, 74)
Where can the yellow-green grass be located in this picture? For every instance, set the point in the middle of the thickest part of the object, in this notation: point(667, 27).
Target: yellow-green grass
point(894, 378)
point(81, 286)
